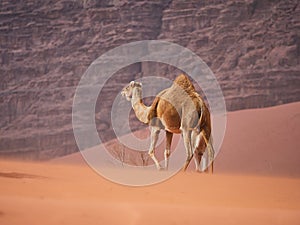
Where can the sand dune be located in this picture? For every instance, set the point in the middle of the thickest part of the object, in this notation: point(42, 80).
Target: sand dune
point(262, 142)
point(257, 181)
point(257, 141)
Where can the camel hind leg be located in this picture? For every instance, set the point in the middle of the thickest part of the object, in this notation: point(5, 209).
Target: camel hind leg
point(188, 147)
point(198, 149)
point(211, 153)
point(211, 156)
point(197, 159)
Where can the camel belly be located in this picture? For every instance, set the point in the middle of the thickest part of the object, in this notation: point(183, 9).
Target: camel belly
point(174, 131)
point(172, 124)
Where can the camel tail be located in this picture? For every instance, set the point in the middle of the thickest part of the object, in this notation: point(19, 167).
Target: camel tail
point(200, 121)
point(211, 155)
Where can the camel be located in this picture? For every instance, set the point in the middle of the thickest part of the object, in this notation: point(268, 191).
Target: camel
point(177, 109)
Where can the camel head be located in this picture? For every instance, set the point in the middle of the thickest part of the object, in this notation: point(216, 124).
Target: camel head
point(128, 90)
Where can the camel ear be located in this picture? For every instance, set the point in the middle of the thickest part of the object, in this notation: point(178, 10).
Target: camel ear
point(132, 83)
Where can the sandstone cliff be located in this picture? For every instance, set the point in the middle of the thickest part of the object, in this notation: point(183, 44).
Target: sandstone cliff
point(251, 46)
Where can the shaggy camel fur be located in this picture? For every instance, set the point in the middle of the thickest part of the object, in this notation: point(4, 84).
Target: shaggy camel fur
point(178, 109)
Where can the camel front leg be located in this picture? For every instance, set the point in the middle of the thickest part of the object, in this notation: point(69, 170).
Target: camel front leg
point(153, 138)
point(167, 153)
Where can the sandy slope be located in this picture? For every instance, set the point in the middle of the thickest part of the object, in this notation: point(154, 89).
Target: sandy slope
point(244, 190)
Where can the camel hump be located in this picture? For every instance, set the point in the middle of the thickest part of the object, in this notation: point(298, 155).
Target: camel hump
point(184, 82)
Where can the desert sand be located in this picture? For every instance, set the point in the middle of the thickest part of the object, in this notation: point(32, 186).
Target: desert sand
point(256, 181)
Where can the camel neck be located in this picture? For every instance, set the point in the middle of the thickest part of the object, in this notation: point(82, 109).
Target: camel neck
point(136, 96)
point(141, 111)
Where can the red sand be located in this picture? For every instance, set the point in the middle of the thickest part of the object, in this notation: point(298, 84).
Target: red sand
point(262, 142)
point(257, 181)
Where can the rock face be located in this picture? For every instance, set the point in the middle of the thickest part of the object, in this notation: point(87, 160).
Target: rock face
point(251, 46)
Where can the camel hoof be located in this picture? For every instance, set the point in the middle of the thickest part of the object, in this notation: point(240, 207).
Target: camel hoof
point(159, 168)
